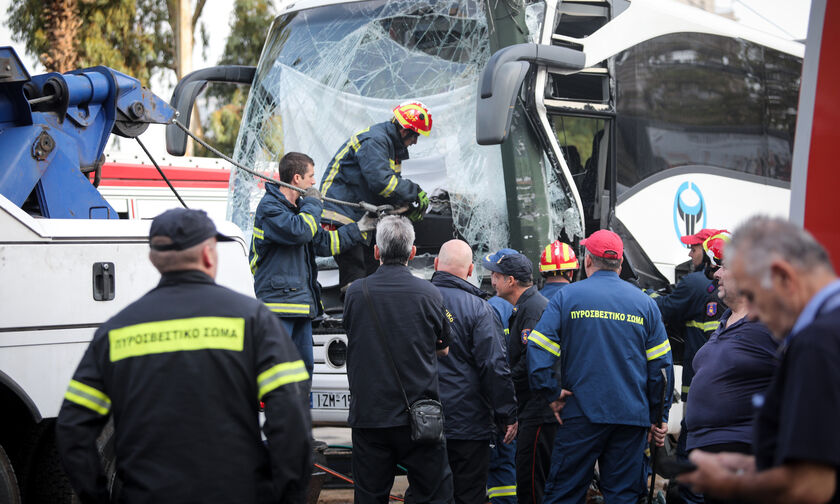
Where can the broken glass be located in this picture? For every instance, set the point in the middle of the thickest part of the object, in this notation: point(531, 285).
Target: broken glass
point(329, 72)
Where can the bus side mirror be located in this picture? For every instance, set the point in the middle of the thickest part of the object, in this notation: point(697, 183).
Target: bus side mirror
point(501, 79)
point(188, 89)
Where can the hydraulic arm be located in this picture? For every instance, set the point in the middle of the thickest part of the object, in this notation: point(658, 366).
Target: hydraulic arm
point(54, 128)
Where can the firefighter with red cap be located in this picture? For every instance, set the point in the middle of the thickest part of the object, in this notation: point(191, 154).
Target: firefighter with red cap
point(367, 168)
point(558, 264)
point(611, 347)
point(685, 308)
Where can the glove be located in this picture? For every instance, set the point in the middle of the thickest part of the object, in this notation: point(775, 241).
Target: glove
point(313, 192)
point(418, 208)
point(423, 200)
point(367, 223)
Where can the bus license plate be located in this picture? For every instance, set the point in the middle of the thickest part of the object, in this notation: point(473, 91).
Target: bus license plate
point(329, 400)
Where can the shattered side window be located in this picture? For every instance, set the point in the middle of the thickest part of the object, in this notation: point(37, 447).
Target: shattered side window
point(329, 72)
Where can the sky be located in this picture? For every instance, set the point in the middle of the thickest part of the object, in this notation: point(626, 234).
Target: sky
point(782, 18)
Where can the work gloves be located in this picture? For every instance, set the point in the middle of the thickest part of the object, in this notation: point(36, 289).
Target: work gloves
point(313, 192)
point(367, 223)
point(422, 203)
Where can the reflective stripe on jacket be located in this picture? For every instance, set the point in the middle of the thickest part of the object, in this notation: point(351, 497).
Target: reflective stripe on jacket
point(367, 168)
point(612, 346)
point(686, 306)
point(285, 241)
point(182, 370)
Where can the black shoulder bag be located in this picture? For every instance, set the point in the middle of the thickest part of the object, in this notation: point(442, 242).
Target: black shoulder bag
point(425, 415)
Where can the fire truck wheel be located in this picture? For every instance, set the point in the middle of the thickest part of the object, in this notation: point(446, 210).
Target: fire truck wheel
point(8, 481)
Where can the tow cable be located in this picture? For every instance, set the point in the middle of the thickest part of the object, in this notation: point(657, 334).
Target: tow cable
point(376, 210)
point(348, 479)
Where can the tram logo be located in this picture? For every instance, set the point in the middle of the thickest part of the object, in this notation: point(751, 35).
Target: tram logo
point(689, 210)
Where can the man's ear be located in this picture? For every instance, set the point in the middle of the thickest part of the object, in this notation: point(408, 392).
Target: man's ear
point(413, 252)
point(376, 252)
point(784, 275)
point(436, 263)
point(469, 271)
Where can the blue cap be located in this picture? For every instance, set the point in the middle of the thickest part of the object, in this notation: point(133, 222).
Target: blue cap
point(511, 263)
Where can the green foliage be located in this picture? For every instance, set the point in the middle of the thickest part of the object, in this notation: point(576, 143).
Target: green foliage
point(131, 36)
point(248, 29)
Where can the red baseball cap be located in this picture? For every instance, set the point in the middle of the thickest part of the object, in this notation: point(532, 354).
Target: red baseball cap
point(699, 237)
point(604, 243)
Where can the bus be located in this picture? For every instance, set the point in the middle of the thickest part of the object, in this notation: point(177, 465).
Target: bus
point(669, 120)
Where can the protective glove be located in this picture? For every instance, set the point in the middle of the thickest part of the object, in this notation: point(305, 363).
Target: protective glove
point(418, 208)
point(423, 200)
point(313, 192)
point(367, 223)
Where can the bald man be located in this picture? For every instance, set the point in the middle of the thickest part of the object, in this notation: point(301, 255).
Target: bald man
point(476, 389)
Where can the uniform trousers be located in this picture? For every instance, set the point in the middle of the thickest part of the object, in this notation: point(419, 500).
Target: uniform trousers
point(376, 453)
point(501, 478)
point(617, 449)
point(356, 262)
point(469, 461)
point(300, 330)
point(533, 460)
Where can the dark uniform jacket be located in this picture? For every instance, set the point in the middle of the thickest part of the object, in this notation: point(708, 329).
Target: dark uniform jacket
point(283, 248)
point(367, 168)
point(527, 312)
point(612, 346)
point(182, 371)
point(412, 315)
point(686, 305)
point(475, 383)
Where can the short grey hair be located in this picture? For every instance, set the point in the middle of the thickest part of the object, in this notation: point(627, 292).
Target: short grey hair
point(176, 260)
point(763, 239)
point(603, 262)
point(394, 237)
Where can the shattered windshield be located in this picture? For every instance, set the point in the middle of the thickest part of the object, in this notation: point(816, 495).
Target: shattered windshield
point(331, 71)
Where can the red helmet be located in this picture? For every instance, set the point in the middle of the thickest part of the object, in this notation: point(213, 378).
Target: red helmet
point(414, 116)
point(558, 256)
point(714, 245)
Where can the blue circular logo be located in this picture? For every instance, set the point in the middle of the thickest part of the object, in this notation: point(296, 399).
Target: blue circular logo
point(689, 210)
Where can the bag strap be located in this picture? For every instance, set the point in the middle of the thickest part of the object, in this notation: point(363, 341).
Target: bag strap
point(384, 342)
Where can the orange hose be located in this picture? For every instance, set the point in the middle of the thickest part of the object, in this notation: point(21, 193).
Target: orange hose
point(349, 480)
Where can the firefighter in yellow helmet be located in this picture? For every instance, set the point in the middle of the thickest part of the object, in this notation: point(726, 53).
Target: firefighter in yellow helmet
point(367, 168)
point(558, 265)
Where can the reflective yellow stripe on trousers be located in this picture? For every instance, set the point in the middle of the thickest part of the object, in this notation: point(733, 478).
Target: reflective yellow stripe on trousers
point(501, 491)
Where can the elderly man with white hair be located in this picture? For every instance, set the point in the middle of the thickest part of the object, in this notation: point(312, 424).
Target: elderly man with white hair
point(788, 280)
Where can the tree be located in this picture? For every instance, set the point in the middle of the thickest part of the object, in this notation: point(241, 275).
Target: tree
point(248, 29)
point(131, 36)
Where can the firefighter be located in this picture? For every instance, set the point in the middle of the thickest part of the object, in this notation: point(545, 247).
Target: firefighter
point(512, 278)
point(713, 246)
point(501, 478)
point(686, 307)
point(613, 348)
point(558, 265)
point(182, 372)
point(287, 236)
point(367, 168)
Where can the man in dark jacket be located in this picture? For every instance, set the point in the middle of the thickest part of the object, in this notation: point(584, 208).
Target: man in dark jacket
point(182, 370)
point(475, 386)
point(391, 359)
point(367, 168)
point(788, 280)
point(512, 278)
point(287, 236)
